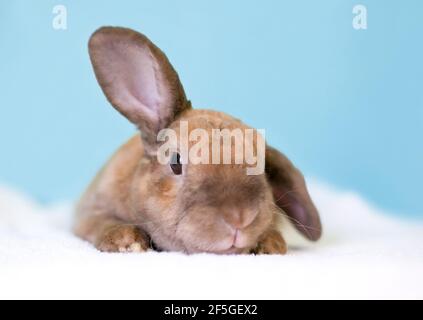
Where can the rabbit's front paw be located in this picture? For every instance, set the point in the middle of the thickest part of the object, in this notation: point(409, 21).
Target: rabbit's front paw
point(123, 238)
point(272, 243)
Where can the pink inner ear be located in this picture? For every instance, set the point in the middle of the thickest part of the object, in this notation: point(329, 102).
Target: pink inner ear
point(135, 76)
point(137, 79)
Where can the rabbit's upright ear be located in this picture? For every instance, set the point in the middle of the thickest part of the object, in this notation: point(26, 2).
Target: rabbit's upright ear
point(137, 79)
point(291, 195)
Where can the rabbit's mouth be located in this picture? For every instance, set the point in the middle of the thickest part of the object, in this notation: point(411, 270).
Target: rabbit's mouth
point(237, 243)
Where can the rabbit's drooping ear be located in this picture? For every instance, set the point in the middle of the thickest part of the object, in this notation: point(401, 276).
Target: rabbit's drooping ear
point(291, 195)
point(137, 79)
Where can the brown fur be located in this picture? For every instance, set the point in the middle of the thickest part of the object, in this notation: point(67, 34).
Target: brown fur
point(135, 203)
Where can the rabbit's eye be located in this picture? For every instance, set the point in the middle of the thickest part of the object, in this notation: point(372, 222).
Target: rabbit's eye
point(175, 163)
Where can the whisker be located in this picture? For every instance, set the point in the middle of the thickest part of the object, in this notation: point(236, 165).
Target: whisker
point(285, 194)
point(305, 227)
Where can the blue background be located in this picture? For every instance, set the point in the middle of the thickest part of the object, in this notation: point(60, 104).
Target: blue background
point(344, 105)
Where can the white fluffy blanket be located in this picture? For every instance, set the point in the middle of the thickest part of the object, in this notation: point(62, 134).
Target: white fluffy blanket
point(364, 254)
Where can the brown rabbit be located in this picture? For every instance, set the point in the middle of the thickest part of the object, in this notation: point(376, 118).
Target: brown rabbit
point(137, 203)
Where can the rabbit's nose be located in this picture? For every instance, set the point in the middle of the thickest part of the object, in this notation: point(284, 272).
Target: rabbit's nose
point(239, 219)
